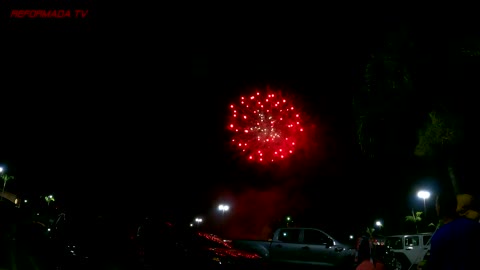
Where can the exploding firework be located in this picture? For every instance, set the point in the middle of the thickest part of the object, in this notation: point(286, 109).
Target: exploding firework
point(266, 127)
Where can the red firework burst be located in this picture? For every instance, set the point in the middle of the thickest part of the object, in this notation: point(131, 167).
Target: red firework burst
point(265, 127)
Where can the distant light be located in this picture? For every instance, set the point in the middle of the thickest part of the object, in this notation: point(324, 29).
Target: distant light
point(378, 223)
point(191, 225)
point(223, 207)
point(423, 194)
point(351, 236)
point(25, 201)
point(1, 169)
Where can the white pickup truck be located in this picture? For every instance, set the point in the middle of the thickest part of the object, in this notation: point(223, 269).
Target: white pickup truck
point(408, 249)
point(302, 246)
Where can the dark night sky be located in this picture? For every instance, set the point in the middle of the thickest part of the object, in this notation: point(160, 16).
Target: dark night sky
point(135, 123)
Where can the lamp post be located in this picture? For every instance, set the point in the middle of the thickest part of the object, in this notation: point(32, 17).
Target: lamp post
point(223, 208)
point(424, 195)
point(198, 221)
point(289, 220)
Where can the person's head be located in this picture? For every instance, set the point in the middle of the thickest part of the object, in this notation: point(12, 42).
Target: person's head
point(468, 206)
point(446, 204)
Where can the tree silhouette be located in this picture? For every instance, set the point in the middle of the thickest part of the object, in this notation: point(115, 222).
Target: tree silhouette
point(397, 114)
point(5, 178)
point(415, 219)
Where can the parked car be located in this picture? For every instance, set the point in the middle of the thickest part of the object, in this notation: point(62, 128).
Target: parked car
point(161, 243)
point(79, 241)
point(208, 250)
point(408, 249)
point(302, 247)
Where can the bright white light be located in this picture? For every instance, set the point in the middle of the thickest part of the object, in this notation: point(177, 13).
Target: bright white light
point(198, 220)
point(223, 207)
point(378, 223)
point(424, 194)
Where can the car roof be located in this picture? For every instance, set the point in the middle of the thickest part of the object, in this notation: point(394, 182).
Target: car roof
point(412, 234)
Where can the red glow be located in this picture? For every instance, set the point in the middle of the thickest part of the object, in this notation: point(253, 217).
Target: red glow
point(228, 250)
point(235, 253)
point(213, 238)
point(267, 128)
point(48, 14)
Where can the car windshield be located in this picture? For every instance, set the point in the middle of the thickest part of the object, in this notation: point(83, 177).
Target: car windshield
point(394, 242)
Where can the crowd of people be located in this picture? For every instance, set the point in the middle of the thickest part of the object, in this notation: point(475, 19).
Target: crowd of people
point(368, 255)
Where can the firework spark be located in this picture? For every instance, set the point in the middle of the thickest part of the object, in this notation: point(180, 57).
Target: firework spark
point(266, 127)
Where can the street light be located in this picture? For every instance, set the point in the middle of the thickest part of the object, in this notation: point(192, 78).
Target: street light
point(223, 208)
point(198, 221)
point(289, 220)
point(424, 195)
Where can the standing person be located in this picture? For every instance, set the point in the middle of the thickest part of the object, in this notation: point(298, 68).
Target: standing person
point(364, 254)
point(363, 242)
point(379, 257)
point(455, 244)
point(357, 246)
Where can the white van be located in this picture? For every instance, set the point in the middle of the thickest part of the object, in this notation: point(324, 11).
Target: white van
point(408, 249)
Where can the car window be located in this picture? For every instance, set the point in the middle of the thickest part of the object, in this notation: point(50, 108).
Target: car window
point(314, 237)
point(289, 235)
point(411, 241)
point(394, 242)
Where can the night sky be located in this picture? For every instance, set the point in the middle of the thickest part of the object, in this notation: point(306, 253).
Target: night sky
point(135, 122)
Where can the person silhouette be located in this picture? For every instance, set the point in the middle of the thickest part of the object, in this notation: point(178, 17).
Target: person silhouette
point(454, 245)
point(364, 254)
